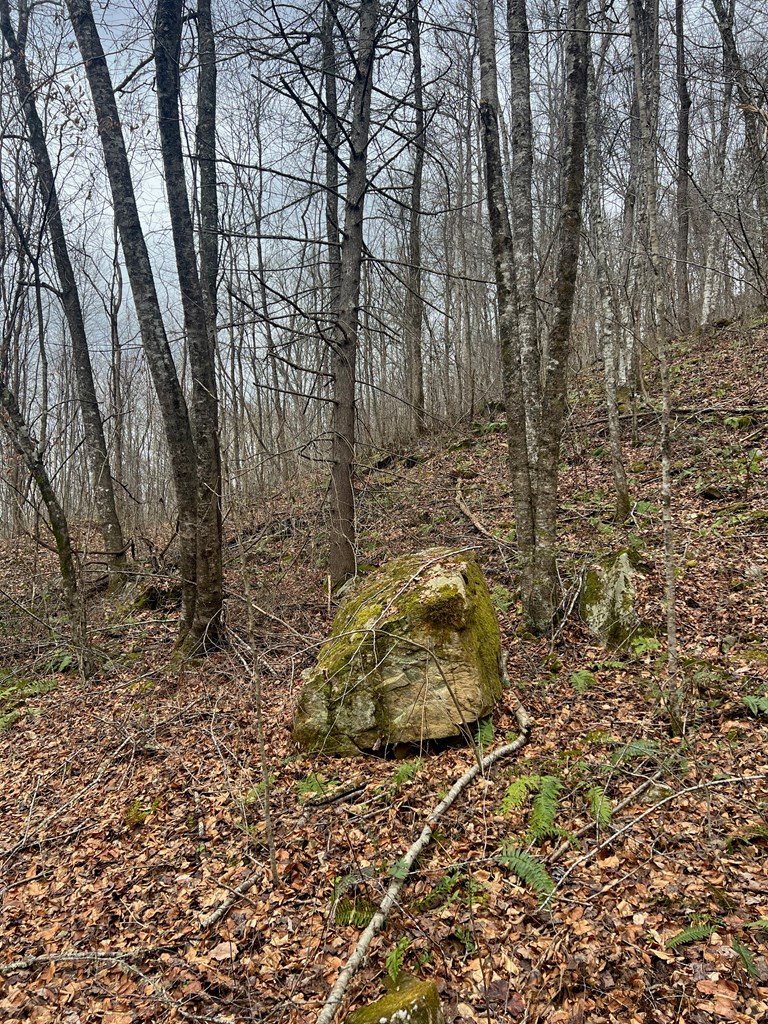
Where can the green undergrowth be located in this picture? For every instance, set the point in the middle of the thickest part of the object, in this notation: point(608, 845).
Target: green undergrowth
point(14, 694)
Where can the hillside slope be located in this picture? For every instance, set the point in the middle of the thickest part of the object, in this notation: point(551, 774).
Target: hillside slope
point(132, 807)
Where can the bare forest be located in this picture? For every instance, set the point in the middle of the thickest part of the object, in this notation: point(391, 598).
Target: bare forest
point(301, 301)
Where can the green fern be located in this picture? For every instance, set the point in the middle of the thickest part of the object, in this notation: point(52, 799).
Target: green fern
point(746, 957)
point(757, 705)
point(396, 958)
point(634, 750)
point(357, 912)
point(517, 792)
point(529, 870)
point(695, 933)
point(600, 806)
point(405, 772)
point(542, 822)
point(484, 734)
point(582, 680)
point(756, 834)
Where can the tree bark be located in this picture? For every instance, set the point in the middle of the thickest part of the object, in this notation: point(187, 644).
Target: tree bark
point(683, 164)
point(207, 623)
point(607, 333)
point(168, 389)
point(99, 469)
point(414, 304)
point(660, 322)
point(545, 587)
point(342, 561)
point(506, 296)
point(752, 132)
point(521, 202)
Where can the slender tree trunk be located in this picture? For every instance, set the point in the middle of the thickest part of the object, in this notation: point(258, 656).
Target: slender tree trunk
point(521, 202)
point(414, 303)
point(506, 295)
point(18, 432)
point(545, 587)
point(605, 328)
point(683, 162)
point(342, 562)
point(715, 228)
point(170, 396)
point(333, 141)
point(97, 458)
point(660, 321)
point(206, 624)
point(752, 132)
point(206, 161)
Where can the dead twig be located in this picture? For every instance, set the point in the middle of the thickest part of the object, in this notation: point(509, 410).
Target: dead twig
point(401, 870)
point(635, 821)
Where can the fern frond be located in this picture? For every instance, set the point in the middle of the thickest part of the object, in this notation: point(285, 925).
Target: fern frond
point(694, 934)
point(746, 957)
point(517, 792)
point(542, 823)
point(635, 749)
point(529, 870)
point(600, 806)
point(484, 734)
point(396, 958)
point(356, 912)
point(757, 705)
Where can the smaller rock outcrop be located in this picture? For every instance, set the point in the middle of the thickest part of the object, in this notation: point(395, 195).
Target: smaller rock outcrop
point(608, 599)
point(414, 655)
point(410, 1002)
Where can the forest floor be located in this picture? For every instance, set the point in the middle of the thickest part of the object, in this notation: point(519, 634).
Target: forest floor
point(131, 806)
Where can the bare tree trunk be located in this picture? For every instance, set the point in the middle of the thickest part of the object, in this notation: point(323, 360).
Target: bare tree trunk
point(607, 333)
point(342, 561)
point(660, 321)
point(207, 624)
point(545, 586)
point(95, 443)
point(414, 303)
point(170, 396)
point(715, 231)
point(752, 131)
point(506, 295)
point(205, 143)
point(521, 202)
point(20, 436)
point(683, 162)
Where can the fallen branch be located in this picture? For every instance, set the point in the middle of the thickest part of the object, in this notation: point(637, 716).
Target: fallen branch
point(638, 791)
point(635, 821)
point(462, 504)
point(402, 868)
point(224, 908)
point(122, 960)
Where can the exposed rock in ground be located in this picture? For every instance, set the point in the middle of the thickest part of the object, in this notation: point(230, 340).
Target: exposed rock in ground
point(410, 1002)
point(608, 599)
point(414, 655)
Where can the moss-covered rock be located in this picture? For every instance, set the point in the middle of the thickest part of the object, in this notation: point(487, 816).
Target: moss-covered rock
point(608, 599)
point(410, 1002)
point(414, 654)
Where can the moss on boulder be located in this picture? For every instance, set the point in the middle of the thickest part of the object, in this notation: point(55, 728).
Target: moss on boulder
point(410, 1002)
point(414, 654)
point(608, 599)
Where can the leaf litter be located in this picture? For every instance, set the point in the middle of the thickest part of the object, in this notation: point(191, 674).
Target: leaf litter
point(132, 806)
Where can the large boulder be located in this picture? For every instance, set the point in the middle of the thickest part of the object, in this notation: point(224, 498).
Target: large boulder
point(608, 599)
point(414, 655)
